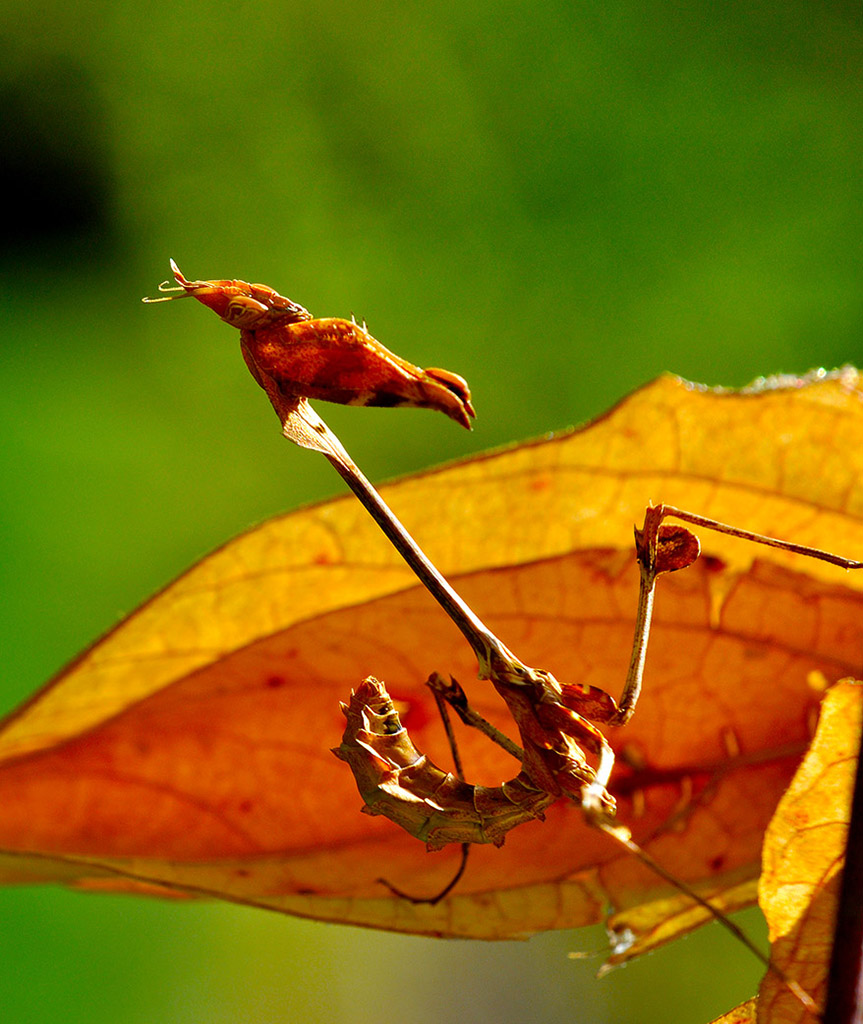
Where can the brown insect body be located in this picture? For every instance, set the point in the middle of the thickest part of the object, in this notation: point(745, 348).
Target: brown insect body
point(293, 355)
point(339, 361)
point(555, 732)
point(396, 780)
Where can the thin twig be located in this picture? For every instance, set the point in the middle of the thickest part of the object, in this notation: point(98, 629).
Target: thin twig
point(443, 711)
point(758, 538)
point(635, 672)
point(306, 428)
point(447, 889)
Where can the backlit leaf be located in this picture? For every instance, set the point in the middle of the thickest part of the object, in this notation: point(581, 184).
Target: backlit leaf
point(190, 748)
point(743, 1014)
point(804, 853)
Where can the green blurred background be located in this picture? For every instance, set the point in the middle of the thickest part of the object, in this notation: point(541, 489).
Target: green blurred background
point(557, 200)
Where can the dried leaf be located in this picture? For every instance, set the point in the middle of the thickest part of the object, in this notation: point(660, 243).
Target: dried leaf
point(191, 746)
point(804, 853)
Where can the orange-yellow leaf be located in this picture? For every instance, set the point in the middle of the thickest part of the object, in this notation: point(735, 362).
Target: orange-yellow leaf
point(190, 748)
point(804, 852)
point(743, 1014)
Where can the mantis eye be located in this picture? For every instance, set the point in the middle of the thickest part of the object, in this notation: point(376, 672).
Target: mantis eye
point(243, 311)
